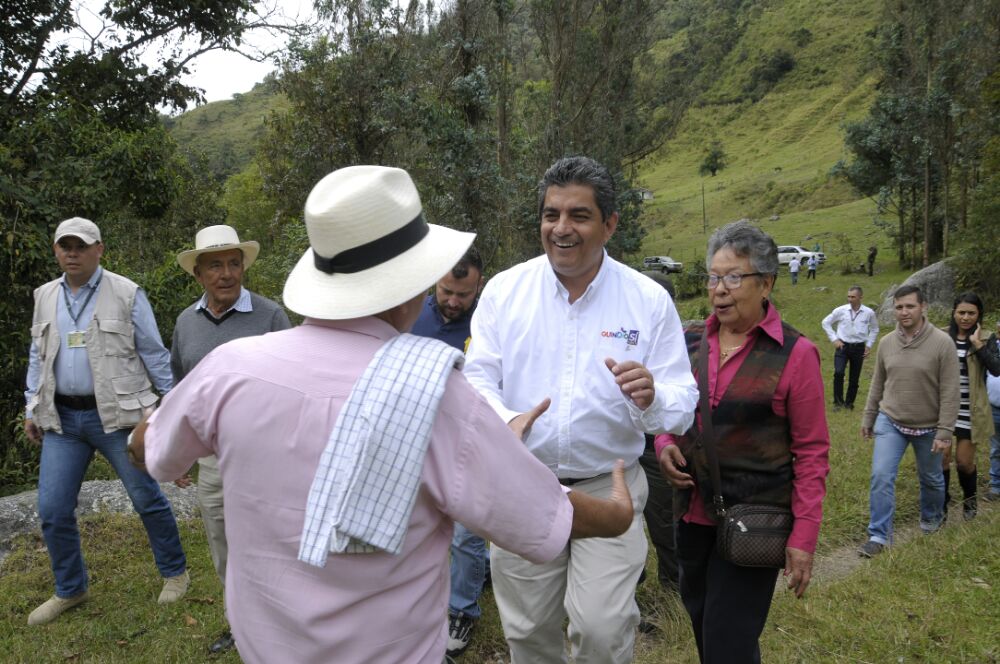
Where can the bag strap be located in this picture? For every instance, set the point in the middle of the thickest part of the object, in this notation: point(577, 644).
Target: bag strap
point(707, 430)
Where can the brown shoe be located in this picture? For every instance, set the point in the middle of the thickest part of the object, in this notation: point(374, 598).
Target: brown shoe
point(53, 607)
point(174, 588)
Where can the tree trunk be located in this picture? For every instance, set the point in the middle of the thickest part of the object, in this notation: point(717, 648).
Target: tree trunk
point(927, 212)
point(901, 237)
point(913, 227)
point(944, 210)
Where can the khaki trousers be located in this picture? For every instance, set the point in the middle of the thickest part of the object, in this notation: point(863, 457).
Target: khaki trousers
point(210, 500)
point(592, 582)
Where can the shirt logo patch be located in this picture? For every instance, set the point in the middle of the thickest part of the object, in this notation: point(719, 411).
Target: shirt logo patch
point(631, 337)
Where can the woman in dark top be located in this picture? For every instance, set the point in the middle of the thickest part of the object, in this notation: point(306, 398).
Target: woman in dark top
point(975, 357)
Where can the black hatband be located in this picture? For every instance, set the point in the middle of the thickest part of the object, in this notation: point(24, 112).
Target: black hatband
point(377, 251)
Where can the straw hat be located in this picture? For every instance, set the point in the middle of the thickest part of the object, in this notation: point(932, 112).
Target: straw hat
point(217, 238)
point(370, 247)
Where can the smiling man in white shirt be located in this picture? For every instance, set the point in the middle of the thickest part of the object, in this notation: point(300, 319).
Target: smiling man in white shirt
point(603, 346)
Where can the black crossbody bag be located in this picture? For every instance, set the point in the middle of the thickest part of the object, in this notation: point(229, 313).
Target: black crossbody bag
point(748, 534)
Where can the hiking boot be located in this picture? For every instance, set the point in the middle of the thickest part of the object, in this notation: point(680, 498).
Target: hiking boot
point(870, 549)
point(459, 633)
point(969, 510)
point(174, 588)
point(53, 607)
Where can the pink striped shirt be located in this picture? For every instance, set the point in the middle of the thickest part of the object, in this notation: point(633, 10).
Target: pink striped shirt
point(266, 406)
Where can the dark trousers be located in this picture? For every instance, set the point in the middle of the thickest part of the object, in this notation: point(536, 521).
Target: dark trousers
point(728, 604)
point(849, 355)
point(659, 515)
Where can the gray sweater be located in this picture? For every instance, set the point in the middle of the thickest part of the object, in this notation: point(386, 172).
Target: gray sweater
point(916, 383)
point(195, 336)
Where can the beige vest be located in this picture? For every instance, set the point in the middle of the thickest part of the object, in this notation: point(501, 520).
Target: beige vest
point(121, 384)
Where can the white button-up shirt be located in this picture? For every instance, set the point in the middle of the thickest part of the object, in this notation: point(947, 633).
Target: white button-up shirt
point(852, 327)
point(529, 343)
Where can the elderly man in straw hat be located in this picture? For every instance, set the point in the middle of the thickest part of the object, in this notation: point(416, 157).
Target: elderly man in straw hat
point(348, 449)
point(95, 358)
point(225, 311)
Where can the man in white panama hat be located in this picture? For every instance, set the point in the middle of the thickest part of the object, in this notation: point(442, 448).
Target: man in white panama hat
point(347, 449)
point(96, 357)
point(225, 311)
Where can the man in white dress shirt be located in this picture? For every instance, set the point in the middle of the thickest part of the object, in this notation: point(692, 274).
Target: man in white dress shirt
point(602, 346)
point(852, 329)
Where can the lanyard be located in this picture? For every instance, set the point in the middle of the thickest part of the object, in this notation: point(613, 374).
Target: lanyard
point(69, 307)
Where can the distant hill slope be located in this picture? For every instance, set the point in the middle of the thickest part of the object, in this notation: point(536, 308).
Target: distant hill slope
point(227, 131)
point(780, 148)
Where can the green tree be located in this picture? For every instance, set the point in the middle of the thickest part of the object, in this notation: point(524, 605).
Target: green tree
point(80, 135)
point(714, 161)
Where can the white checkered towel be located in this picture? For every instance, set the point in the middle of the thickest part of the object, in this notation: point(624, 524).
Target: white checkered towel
point(366, 484)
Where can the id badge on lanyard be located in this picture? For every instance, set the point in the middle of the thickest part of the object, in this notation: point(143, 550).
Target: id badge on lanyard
point(75, 339)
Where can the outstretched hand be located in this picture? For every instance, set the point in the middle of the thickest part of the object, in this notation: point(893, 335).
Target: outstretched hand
point(521, 425)
point(600, 517)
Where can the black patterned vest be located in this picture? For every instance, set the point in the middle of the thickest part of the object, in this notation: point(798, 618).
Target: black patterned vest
point(753, 443)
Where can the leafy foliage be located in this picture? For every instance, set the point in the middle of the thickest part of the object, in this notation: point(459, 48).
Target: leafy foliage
point(715, 159)
point(768, 71)
point(79, 135)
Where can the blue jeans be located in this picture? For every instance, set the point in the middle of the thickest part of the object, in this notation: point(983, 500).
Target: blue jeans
point(65, 457)
point(890, 445)
point(468, 570)
point(995, 453)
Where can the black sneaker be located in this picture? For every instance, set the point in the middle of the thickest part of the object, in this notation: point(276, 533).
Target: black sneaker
point(870, 549)
point(459, 633)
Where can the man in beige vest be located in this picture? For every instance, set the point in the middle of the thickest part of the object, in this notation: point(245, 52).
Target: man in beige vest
point(96, 356)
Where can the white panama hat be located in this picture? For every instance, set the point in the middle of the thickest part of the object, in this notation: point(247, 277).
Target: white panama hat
point(370, 247)
point(217, 238)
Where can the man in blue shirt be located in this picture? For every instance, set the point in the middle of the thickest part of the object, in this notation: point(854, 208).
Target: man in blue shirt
point(446, 315)
point(96, 357)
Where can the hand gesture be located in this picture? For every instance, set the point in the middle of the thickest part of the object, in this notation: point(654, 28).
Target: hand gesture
point(521, 425)
point(634, 380)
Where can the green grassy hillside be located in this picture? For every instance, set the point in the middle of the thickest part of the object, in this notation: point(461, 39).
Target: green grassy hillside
point(227, 132)
point(780, 148)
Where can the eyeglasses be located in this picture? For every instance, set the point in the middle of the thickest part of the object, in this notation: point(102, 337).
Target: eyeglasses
point(730, 280)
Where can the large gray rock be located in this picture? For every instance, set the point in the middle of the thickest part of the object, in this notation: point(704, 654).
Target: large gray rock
point(19, 513)
point(937, 282)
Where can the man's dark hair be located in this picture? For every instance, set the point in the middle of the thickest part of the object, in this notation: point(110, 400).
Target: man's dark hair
point(471, 259)
point(907, 289)
point(856, 288)
point(583, 171)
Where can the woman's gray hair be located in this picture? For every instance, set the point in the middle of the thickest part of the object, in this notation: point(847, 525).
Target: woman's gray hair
point(746, 241)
